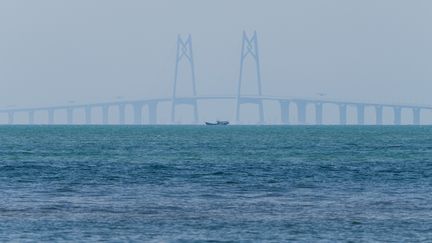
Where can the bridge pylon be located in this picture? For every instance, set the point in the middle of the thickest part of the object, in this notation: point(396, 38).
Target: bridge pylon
point(184, 53)
point(250, 50)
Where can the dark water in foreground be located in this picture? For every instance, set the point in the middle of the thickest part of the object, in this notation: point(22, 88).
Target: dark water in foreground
point(181, 183)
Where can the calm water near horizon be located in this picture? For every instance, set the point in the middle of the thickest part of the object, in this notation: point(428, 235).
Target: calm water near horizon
point(201, 183)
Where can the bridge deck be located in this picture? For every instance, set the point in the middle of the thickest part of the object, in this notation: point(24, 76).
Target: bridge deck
point(219, 97)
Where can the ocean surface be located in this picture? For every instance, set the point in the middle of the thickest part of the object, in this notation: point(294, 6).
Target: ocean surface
point(233, 183)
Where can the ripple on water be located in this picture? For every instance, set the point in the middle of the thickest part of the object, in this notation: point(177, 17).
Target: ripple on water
point(239, 183)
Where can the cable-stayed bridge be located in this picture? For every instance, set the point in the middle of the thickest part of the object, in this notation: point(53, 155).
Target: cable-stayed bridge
point(249, 51)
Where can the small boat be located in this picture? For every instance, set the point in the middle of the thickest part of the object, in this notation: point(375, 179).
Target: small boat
point(217, 123)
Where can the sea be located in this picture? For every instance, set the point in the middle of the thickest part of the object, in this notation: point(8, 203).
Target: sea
point(216, 183)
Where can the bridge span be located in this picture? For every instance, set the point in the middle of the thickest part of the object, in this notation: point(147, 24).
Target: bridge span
point(285, 104)
point(249, 51)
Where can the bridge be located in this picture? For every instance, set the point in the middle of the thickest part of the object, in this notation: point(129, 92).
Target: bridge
point(249, 51)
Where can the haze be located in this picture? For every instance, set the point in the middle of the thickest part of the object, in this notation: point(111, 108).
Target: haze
point(55, 52)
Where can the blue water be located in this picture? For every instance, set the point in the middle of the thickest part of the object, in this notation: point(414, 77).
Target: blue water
point(198, 183)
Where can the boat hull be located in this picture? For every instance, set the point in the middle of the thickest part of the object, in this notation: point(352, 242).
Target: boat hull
point(218, 123)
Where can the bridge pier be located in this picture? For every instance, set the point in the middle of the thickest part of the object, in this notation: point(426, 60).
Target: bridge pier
point(69, 112)
point(284, 111)
point(360, 114)
point(122, 114)
point(195, 112)
point(301, 112)
point(342, 114)
point(11, 116)
point(319, 113)
point(250, 49)
point(397, 115)
point(173, 107)
point(105, 114)
point(416, 116)
point(51, 116)
point(184, 52)
point(137, 113)
point(379, 114)
point(259, 103)
point(88, 115)
point(184, 101)
point(31, 117)
point(152, 110)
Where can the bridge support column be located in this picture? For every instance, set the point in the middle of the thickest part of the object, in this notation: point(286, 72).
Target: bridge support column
point(152, 110)
point(261, 112)
point(190, 102)
point(11, 116)
point(173, 111)
point(284, 109)
point(259, 103)
point(195, 112)
point(397, 115)
point(122, 114)
point(105, 114)
point(342, 114)
point(137, 113)
point(416, 116)
point(69, 112)
point(301, 112)
point(88, 115)
point(31, 117)
point(51, 116)
point(360, 114)
point(319, 113)
point(379, 114)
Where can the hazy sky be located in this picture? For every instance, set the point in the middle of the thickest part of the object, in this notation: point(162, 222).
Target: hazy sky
point(55, 51)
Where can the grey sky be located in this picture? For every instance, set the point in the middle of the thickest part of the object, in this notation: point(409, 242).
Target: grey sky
point(54, 51)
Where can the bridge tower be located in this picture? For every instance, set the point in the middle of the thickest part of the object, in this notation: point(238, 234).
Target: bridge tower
point(184, 53)
point(250, 50)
